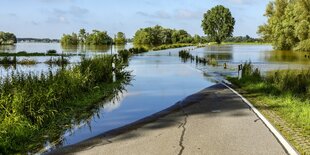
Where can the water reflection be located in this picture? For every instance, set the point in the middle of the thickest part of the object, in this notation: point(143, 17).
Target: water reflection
point(288, 56)
point(7, 48)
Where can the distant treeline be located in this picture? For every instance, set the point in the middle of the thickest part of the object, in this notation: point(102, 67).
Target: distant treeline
point(41, 40)
point(242, 39)
point(158, 35)
point(95, 38)
point(7, 38)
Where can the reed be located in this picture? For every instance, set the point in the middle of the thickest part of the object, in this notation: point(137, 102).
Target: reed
point(32, 103)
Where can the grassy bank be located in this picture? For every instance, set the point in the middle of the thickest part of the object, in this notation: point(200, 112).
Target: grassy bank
point(284, 98)
point(13, 61)
point(245, 43)
point(37, 108)
point(168, 46)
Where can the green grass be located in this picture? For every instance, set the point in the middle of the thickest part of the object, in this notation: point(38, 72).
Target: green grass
point(283, 94)
point(35, 108)
point(245, 43)
point(169, 46)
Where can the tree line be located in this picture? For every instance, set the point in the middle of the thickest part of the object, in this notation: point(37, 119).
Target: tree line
point(288, 25)
point(243, 39)
point(95, 38)
point(159, 35)
point(7, 38)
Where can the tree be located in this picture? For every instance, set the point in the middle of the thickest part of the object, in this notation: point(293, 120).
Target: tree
point(68, 39)
point(82, 36)
point(120, 38)
point(158, 35)
point(218, 23)
point(98, 38)
point(288, 24)
point(7, 38)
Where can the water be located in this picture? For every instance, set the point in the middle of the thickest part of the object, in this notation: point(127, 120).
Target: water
point(159, 82)
point(160, 79)
point(43, 47)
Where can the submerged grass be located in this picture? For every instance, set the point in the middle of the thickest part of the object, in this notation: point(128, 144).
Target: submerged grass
point(185, 56)
point(60, 61)
point(284, 97)
point(34, 54)
point(32, 105)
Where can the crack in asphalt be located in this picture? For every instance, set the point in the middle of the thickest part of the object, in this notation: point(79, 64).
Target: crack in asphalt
point(183, 132)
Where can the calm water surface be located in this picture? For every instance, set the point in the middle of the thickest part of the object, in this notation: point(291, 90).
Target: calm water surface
point(160, 79)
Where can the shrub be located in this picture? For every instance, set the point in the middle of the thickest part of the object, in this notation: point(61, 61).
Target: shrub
point(51, 52)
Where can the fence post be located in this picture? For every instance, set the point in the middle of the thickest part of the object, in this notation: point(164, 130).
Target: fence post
point(239, 71)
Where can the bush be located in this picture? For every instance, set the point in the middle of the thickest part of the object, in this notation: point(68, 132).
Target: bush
point(249, 72)
point(51, 52)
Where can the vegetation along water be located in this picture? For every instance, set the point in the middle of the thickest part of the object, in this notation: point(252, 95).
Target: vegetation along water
point(37, 108)
point(32, 105)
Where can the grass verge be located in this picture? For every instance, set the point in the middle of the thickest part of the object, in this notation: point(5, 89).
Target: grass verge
point(283, 97)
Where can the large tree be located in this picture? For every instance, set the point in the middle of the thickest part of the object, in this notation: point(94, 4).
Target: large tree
point(218, 23)
point(288, 24)
point(7, 38)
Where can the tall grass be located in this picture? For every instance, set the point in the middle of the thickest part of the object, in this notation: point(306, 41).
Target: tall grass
point(60, 61)
point(185, 56)
point(126, 54)
point(28, 101)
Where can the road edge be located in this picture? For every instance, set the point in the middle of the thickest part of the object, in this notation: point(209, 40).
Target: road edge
point(285, 144)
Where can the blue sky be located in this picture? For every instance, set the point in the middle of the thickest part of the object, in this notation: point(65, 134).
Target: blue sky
point(52, 18)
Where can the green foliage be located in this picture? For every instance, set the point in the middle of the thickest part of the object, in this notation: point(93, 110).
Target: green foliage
point(168, 46)
point(95, 38)
point(68, 39)
point(242, 39)
point(98, 38)
point(158, 35)
point(82, 36)
point(249, 72)
point(30, 102)
point(288, 24)
point(303, 46)
point(7, 38)
point(126, 54)
point(120, 38)
point(285, 93)
point(218, 23)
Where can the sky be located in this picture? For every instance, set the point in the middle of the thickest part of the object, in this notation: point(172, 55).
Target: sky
point(53, 18)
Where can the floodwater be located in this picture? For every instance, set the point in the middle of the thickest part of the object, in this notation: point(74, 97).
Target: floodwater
point(160, 80)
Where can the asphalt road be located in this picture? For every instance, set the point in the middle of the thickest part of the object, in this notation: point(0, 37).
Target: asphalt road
point(213, 121)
